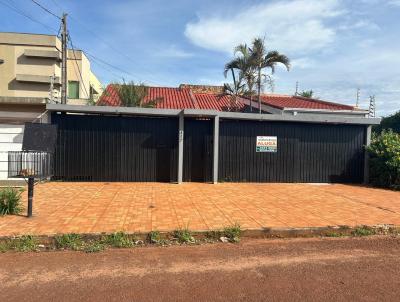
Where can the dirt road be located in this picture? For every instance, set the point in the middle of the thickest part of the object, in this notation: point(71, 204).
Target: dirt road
point(345, 269)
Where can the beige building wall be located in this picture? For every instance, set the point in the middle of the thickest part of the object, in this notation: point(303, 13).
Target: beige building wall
point(29, 62)
point(26, 70)
point(89, 85)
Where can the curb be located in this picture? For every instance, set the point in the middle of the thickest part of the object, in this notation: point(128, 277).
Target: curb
point(264, 233)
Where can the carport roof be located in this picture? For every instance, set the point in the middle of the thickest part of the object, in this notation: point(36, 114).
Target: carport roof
point(305, 118)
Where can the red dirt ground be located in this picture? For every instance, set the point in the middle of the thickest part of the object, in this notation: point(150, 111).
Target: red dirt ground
point(343, 269)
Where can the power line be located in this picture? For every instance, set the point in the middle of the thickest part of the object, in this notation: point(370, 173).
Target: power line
point(102, 65)
point(108, 64)
point(22, 13)
point(46, 9)
point(110, 45)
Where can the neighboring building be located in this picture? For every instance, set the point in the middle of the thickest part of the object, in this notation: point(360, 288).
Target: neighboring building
point(30, 64)
point(213, 98)
point(80, 92)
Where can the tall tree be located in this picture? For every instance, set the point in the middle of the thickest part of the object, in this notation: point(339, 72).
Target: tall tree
point(237, 87)
point(307, 94)
point(262, 59)
point(247, 70)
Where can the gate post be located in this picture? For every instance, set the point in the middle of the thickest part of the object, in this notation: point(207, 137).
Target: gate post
point(366, 155)
point(216, 148)
point(180, 146)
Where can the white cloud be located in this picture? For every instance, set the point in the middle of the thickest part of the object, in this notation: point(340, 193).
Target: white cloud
point(360, 24)
point(303, 63)
point(394, 2)
point(291, 26)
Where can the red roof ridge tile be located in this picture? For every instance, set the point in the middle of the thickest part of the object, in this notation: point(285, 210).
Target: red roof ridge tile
point(324, 102)
point(193, 97)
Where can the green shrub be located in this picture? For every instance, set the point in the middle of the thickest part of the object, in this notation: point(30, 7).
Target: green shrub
point(184, 236)
point(154, 237)
point(10, 201)
point(233, 233)
point(69, 241)
point(4, 247)
point(363, 231)
point(384, 153)
point(26, 243)
point(119, 240)
point(93, 247)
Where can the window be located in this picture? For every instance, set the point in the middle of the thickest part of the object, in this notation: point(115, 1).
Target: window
point(73, 89)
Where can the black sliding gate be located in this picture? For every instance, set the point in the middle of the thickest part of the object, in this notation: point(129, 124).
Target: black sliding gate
point(115, 148)
point(305, 153)
point(198, 150)
point(120, 148)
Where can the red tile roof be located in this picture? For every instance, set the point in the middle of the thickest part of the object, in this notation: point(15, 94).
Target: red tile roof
point(185, 98)
point(287, 101)
point(169, 98)
point(220, 102)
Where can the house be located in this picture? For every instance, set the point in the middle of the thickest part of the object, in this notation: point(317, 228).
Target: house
point(30, 77)
point(207, 97)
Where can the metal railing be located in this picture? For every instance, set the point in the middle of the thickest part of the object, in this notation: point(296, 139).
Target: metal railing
point(28, 164)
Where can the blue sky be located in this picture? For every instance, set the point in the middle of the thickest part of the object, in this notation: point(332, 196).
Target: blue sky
point(335, 45)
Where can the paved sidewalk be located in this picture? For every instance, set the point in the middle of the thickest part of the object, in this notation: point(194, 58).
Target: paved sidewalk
point(142, 207)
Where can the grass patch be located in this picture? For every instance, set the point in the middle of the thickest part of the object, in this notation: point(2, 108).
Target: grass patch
point(10, 201)
point(4, 247)
point(26, 243)
point(154, 237)
point(334, 234)
point(94, 247)
point(233, 233)
point(69, 241)
point(118, 240)
point(184, 236)
point(363, 231)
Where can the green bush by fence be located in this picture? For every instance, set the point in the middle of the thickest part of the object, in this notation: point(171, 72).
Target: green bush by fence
point(385, 159)
point(10, 201)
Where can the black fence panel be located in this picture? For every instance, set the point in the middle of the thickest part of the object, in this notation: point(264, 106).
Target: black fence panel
point(305, 152)
point(198, 150)
point(115, 148)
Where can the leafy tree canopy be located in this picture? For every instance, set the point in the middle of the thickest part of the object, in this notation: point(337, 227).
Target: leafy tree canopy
point(389, 122)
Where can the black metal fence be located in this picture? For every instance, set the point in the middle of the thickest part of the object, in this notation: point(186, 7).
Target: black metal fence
point(120, 148)
point(115, 148)
point(305, 152)
point(198, 150)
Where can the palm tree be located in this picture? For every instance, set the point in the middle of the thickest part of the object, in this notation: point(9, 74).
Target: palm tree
point(133, 95)
point(237, 87)
point(247, 70)
point(262, 59)
point(307, 94)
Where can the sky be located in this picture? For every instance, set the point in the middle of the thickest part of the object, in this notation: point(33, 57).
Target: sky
point(335, 46)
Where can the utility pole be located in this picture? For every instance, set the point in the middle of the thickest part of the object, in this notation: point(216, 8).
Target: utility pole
point(64, 59)
point(52, 89)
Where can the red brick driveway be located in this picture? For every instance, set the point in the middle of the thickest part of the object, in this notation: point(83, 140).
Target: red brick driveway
point(142, 207)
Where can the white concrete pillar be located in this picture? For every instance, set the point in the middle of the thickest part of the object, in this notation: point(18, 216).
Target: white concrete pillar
point(180, 146)
point(366, 155)
point(216, 148)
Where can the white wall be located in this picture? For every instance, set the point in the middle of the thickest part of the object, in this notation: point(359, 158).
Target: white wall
point(10, 140)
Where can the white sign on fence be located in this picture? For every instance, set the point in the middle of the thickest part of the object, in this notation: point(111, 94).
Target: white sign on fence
point(267, 144)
